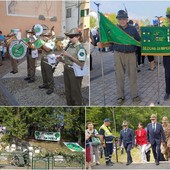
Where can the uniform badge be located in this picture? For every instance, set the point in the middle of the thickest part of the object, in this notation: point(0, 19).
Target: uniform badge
point(82, 55)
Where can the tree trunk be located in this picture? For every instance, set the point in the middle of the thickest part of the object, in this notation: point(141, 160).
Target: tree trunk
point(79, 137)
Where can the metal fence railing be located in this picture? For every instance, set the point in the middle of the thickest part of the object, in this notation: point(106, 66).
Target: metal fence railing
point(21, 159)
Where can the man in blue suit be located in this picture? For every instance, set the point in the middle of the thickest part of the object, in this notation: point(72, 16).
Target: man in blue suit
point(127, 137)
point(155, 135)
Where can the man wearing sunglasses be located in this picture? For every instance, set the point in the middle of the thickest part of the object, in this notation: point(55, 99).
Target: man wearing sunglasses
point(155, 135)
point(127, 138)
point(74, 54)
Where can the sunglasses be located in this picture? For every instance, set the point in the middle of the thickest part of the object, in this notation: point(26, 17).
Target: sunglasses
point(73, 36)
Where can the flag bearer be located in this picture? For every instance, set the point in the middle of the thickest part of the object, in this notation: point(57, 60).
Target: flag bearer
point(125, 60)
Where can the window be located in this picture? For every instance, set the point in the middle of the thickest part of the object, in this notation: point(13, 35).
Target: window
point(68, 13)
point(84, 12)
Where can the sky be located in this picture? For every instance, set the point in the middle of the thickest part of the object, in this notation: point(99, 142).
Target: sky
point(136, 9)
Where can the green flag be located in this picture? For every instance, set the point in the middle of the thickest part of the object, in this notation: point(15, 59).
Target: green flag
point(111, 33)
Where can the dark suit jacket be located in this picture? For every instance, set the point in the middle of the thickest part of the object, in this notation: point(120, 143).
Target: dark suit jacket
point(127, 138)
point(155, 136)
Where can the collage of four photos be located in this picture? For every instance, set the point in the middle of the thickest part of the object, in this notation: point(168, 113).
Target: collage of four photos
point(84, 84)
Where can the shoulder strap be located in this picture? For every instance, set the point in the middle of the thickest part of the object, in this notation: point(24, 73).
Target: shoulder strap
point(109, 129)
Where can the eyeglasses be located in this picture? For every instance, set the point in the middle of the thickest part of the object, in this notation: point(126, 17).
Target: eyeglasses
point(71, 37)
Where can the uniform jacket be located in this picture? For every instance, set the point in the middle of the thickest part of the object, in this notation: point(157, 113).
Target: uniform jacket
point(155, 136)
point(126, 137)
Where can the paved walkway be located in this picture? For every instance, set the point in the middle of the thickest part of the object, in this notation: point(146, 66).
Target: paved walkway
point(162, 165)
point(147, 83)
point(15, 91)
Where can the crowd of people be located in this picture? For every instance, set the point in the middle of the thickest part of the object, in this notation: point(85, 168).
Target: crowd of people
point(155, 136)
point(73, 58)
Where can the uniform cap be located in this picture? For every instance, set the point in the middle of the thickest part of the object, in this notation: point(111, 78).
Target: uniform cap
point(121, 14)
point(73, 32)
point(107, 120)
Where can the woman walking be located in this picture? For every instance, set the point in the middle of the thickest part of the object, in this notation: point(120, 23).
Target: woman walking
point(141, 141)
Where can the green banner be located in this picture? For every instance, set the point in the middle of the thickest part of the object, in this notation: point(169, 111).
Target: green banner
point(111, 33)
point(75, 147)
point(155, 41)
point(50, 136)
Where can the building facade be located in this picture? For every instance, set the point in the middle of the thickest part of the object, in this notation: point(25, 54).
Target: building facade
point(63, 15)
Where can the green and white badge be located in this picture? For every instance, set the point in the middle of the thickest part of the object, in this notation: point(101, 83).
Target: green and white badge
point(38, 29)
point(17, 49)
point(82, 54)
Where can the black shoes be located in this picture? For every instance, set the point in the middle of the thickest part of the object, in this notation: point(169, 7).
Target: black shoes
point(50, 91)
point(109, 164)
point(136, 99)
point(157, 162)
point(14, 72)
point(120, 101)
point(128, 163)
point(31, 81)
point(27, 78)
point(43, 87)
point(166, 97)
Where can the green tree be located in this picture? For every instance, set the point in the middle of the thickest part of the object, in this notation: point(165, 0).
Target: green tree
point(75, 123)
point(112, 18)
point(118, 114)
point(145, 22)
point(93, 22)
point(20, 121)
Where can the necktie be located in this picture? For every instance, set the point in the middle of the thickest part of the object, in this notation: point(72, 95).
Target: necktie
point(125, 130)
point(153, 127)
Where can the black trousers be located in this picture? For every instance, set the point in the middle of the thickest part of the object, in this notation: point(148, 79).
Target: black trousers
point(166, 63)
point(128, 147)
point(156, 151)
point(108, 152)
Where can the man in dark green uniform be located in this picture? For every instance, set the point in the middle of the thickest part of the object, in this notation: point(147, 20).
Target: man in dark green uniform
point(75, 53)
point(31, 61)
point(46, 66)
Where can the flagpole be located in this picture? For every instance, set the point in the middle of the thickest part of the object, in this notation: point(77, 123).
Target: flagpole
point(101, 57)
point(158, 72)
